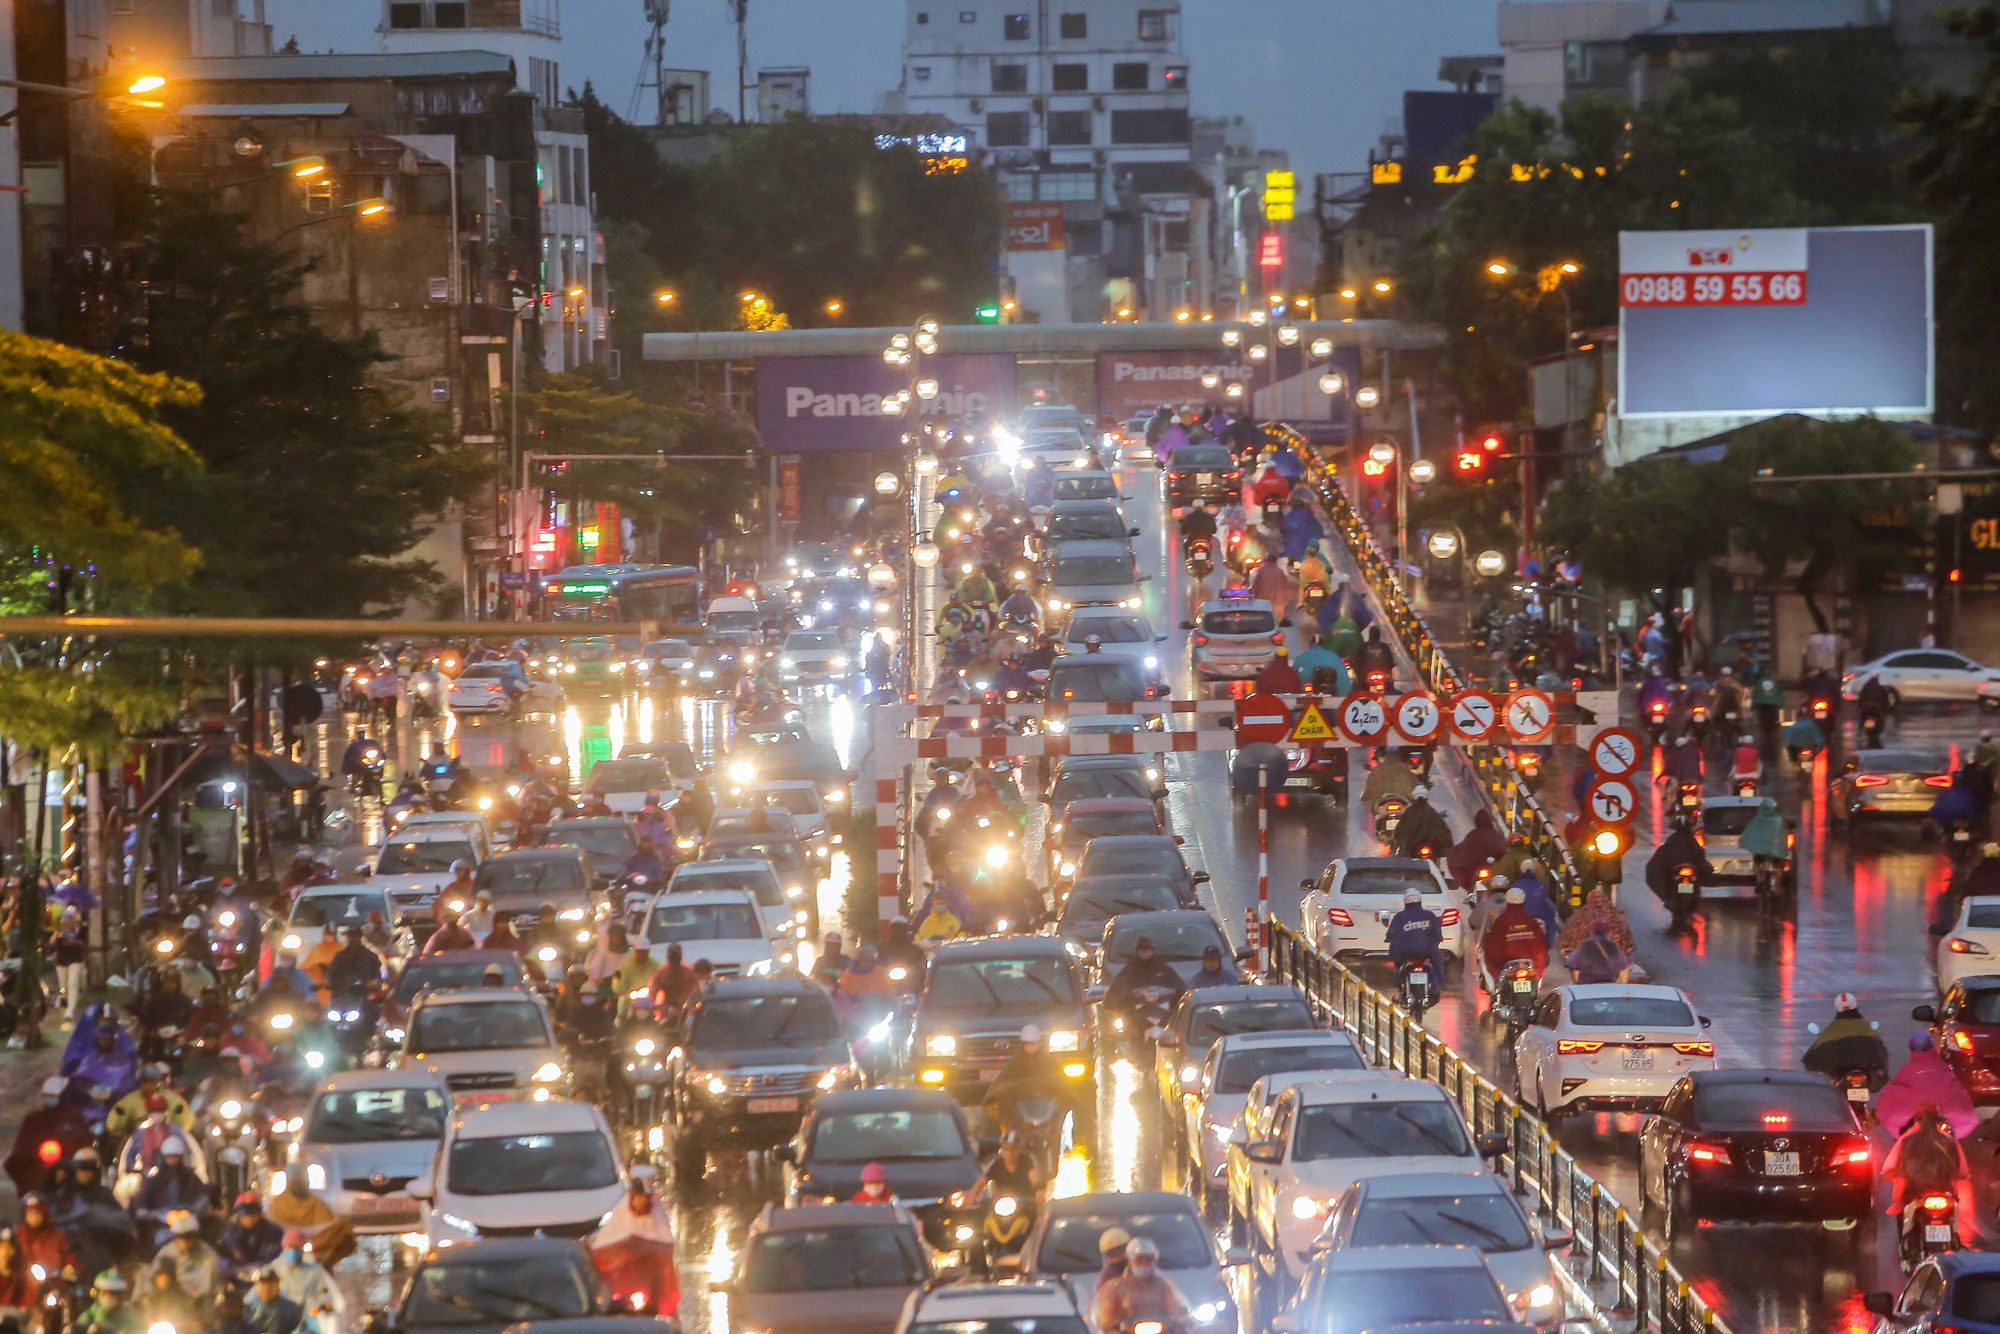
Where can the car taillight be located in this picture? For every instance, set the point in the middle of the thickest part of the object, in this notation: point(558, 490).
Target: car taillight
point(1869, 780)
point(1961, 1039)
point(1704, 1152)
point(1278, 638)
point(1449, 917)
point(1577, 1047)
point(1200, 639)
point(1853, 1155)
point(1938, 780)
point(1339, 917)
point(1173, 477)
point(1776, 1120)
point(1695, 1048)
point(1700, 838)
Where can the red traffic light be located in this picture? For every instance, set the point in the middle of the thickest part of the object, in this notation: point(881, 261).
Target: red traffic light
point(1373, 467)
point(1492, 442)
point(1470, 461)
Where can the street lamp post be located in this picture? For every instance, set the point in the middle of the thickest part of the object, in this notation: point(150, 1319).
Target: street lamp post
point(1387, 452)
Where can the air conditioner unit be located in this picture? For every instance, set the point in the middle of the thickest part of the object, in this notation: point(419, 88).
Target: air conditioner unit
point(978, 107)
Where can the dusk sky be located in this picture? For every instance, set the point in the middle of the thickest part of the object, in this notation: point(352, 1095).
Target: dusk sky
point(1316, 77)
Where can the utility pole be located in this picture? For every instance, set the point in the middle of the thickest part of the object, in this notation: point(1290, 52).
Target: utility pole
point(739, 11)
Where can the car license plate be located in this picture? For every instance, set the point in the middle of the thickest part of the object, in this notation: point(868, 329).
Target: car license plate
point(1937, 1232)
point(1204, 478)
point(1781, 1164)
point(383, 1204)
point(1637, 1060)
point(759, 1106)
point(1858, 1093)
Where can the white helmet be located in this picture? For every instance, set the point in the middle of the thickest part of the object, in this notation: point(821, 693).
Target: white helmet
point(1516, 896)
point(183, 1224)
point(1420, 792)
point(173, 1147)
point(1030, 1035)
point(53, 1086)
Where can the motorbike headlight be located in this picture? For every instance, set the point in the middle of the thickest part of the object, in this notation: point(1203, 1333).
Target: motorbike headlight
point(1006, 1206)
point(716, 1086)
point(333, 1016)
point(1055, 726)
point(315, 1177)
point(292, 942)
point(547, 954)
point(583, 937)
point(941, 1044)
point(1063, 1039)
point(393, 1034)
point(571, 915)
point(281, 1020)
point(1075, 1070)
point(230, 1109)
point(513, 789)
point(548, 1073)
point(315, 1060)
point(644, 1046)
point(996, 856)
point(1067, 868)
point(569, 668)
point(164, 946)
point(898, 972)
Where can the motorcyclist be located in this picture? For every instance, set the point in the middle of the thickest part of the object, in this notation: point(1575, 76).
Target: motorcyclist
point(1214, 971)
point(1802, 735)
point(458, 890)
point(673, 985)
point(1300, 527)
point(1423, 831)
point(1270, 582)
point(1681, 763)
point(1321, 668)
point(1279, 677)
point(1197, 524)
point(55, 1121)
point(1850, 1042)
point(1043, 655)
point(1481, 846)
point(108, 1311)
point(166, 1006)
point(1012, 676)
point(131, 1109)
point(171, 1186)
point(1746, 763)
point(645, 861)
point(1374, 655)
point(1416, 935)
point(1872, 705)
point(355, 968)
point(863, 976)
point(1679, 848)
point(1010, 1171)
point(1390, 777)
point(1020, 606)
point(251, 1240)
point(1536, 896)
point(1142, 973)
point(1927, 1159)
point(287, 982)
point(355, 760)
point(1513, 934)
point(1030, 1070)
point(1925, 1078)
point(106, 1056)
point(874, 1186)
point(975, 588)
point(1141, 1293)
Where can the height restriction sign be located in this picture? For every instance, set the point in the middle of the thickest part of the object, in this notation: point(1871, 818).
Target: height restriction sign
point(1615, 752)
point(1364, 719)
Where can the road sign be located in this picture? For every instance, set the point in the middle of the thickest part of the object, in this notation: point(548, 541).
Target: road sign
point(1615, 753)
point(1612, 800)
point(1313, 725)
point(1418, 717)
point(1530, 715)
point(1262, 718)
point(1363, 718)
point(1473, 713)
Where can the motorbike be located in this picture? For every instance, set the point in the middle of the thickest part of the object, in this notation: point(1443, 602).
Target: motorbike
point(1004, 1230)
point(1272, 513)
point(1687, 798)
point(1416, 989)
point(645, 1073)
point(366, 779)
point(1958, 839)
point(1929, 1226)
point(1820, 706)
point(58, 1297)
point(1377, 679)
point(1871, 730)
point(1656, 722)
point(229, 948)
point(1517, 994)
point(1142, 1024)
point(1685, 898)
point(229, 1131)
point(1018, 626)
point(352, 1019)
point(1200, 557)
point(1388, 814)
point(1744, 785)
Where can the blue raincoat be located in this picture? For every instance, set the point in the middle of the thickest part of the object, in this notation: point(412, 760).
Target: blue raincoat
point(1300, 531)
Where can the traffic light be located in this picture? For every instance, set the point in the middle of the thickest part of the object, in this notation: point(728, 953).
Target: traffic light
point(1373, 467)
point(1470, 461)
point(1607, 842)
point(1492, 442)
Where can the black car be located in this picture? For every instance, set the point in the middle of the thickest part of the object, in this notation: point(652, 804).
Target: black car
point(1140, 854)
point(1200, 1017)
point(482, 1287)
point(977, 997)
point(608, 840)
point(1093, 902)
point(920, 1137)
point(1200, 472)
point(752, 1056)
point(1755, 1146)
point(1084, 776)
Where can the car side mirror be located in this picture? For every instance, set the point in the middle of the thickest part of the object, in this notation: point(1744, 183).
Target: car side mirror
point(1940, 929)
point(1145, 578)
point(1267, 1151)
point(786, 1153)
point(1187, 625)
point(1555, 1239)
point(420, 1188)
point(1199, 877)
point(1492, 1144)
point(1924, 1014)
point(1167, 1039)
point(1159, 639)
point(1236, 1257)
point(1131, 532)
point(1238, 1136)
point(1094, 995)
point(1706, 1021)
point(1305, 884)
point(1879, 1303)
point(1286, 623)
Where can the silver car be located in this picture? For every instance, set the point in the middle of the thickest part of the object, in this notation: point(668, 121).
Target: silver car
point(1233, 638)
point(1080, 521)
point(1092, 574)
point(1931, 674)
point(484, 1043)
point(1122, 634)
point(1063, 1246)
point(368, 1135)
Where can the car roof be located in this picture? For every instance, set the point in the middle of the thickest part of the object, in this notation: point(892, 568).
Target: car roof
point(1319, 1093)
point(1655, 990)
point(1002, 947)
point(589, 822)
point(1288, 1037)
point(1902, 761)
point(343, 888)
point(721, 866)
point(1092, 504)
point(1234, 604)
point(418, 819)
point(433, 831)
point(886, 1099)
point(377, 1078)
point(1120, 1202)
point(1416, 864)
point(784, 784)
point(490, 1120)
point(1416, 1185)
point(534, 855)
point(1109, 805)
point(1954, 1263)
point(1010, 1299)
point(494, 1249)
point(1081, 762)
point(1741, 1075)
point(475, 996)
point(1115, 841)
point(778, 984)
point(1246, 991)
point(462, 956)
point(1365, 1258)
point(801, 1217)
point(1144, 921)
point(684, 897)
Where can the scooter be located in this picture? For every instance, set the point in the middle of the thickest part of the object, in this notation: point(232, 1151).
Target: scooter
point(1004, 1230)
point(1686, 897)
point(1929, 1226)
point(1142, 1025)
point(1200, 557)
point(1656, 722)
point(1517, 992)
point(1416, 989)
point(1388, 814)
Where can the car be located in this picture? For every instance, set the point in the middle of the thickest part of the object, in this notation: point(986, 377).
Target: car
point(752, 761)
point(521, 1169)
point(1091, 903)
point(594, 665)
point(683, 765)
point(724, 926)
point(625, 784)
point(1320, 1137)
point(1254, 1124)
point(732, 620)
point(1956, 1293)
point(368, 1134)
point(415, 862)
point(1346, 911)
point(503, 688)
point(815, 560)
point(1179, 938)
point(1205, 472)
point(976, 998)
point(447, 970)
point(1079, 521)
point(485, 1287)
point(810, 656)
point(484, 1043)
point(1054, 414)
point(717, 665)
point(323, 908)
point(522, 880)
point(1090, 482)
point(1473, 1209)
point(799, 798)
point(798, 1267)
point(467, 822)
point(608, 840)
point(1966, 1027)
point(1139, 854)
point(920, 1137)
point(1723, 820)
point(1078, 777)
point(665, 664)
point(841, 604)
point(1234, 1063)
point(1232, 638)
point(1932, 675)
point(1749, 1145)
point(1200, 1017)
point(752, 1055)
point(779, 902)
point(1091, 574)
point(1063, 1246)
point(1043, 1307)
point(1120, 634)
point(786, 855)
point(1887, 783)
point(1076, 824)
point(1611, 1046)
point(1447, 1289)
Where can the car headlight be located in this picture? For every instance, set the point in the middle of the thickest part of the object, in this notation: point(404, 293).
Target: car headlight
point(941, 1044)
point(1541, 1295)
point(716, 1086)
point(1220, 1131)
point(315, 1177)
point(457, 1224)
point(291, 942)
point(1206, 1313)
point(839, 660)
point(393, 1034)
point(831, 1077)
point(788, 661)
point(996, 856)
point(583, 937)
point(1305, 1207)
point(571, 914)
point(547, 954)
point(1063, 1039)
point(570, 668)
point(1153, 662)
point(1067, 868)
point(1190, 1073)
point(706, 674)
point(1132, 603)
point(1055, 726)
point(742, 771)
point(548, 1073)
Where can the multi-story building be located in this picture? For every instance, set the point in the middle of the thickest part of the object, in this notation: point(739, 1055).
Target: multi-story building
point(1081, 106)
point(157, 29)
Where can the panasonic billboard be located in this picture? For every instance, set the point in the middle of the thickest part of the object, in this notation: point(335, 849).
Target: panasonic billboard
point(825, 405)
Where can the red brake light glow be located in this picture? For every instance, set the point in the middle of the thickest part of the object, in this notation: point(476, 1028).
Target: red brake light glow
point(1577, 1047)
point(1854, 1157)
point(1960, 946)
point(1777, 1120)
point(1339, 917)
point(1695, 1048)
point(1449, 917)
point(1938, 780)
point(1709, 1153)
point(1961, 1039)
point(1869, 780)
point(1937, 1203)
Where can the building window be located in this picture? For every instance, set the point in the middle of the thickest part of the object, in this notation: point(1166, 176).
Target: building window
point(1071, 79)
point(1020, 186)
point(406, 16)
point(920, 73)
point(968, 16)
point(1156, 25)
point(319, 196)
point(582, 175)
point(1069, 186)
point(1576, 62)
point(565, 192)
point(448, 15)
point(1014, 27)
point(1176, 78)
point(1075, 27)
point(1131, 76)
point(222, 9)
point(1069, 129)
point(1174, 236)
point(1149, 127)
point(1007, 129)
point(1010, 78)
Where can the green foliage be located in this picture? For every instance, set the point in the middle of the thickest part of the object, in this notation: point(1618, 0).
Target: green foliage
point(1651, 524)
point(93, 708)
point(1483, 511)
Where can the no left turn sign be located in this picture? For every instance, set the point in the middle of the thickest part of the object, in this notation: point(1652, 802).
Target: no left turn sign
point(1612, 800)
point(1615, 753)
point(1473, 714)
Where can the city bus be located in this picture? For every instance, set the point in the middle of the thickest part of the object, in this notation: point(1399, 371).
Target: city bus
point(668, 593)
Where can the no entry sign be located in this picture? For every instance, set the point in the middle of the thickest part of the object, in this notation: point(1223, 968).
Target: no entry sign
point(1262, 718)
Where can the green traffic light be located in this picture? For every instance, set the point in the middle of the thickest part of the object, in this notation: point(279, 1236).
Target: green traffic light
point(988, 312)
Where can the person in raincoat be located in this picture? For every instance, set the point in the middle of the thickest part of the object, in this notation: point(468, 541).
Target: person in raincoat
point(1803, 735)
point(1597, 912)
point(1481, 846)
point(1925, 1078)
point(1313, 566)
point(634, 1250)
point(1767, 839)
point(1343, 636)
point(1288, 465)
point(1171, 439)
point(1959, 803)
point(1300, 528)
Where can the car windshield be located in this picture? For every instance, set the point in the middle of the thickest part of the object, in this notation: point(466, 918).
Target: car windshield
point(811, 640)
point(1200, 458)
point(1077, 784)
point(1360, 1301)
point(796, 800)
point(732, 620)
point(497, 1294)
point(1084, 488)
point(519, 877)
point(1976, 1297)
point(1378, 1129)
point(338, 910)
point(1109, 630)
point(1148, 858)
point(422, 856)
point(1180, 941)
point(1091, 905)
point(1096, 824)
point(1094, 682)
point(792, 760)
point(427, 976)
point(1805, 1109)
point(1085, 570)
point(1024, 1324)
point(484, 671)
point(1895, 762)
point(669, 648)
point(1071, 1244)
point(824, 1259)
point(1981, 1007)
point(672, 921)
point(1486, 1219)
point(1086, 527)
point(627, 776)
point(367, 1116)
point(1252, 621)
point(999, 986)
point(593, 653)
point(757, 847)
point(798, 1020)
point(1630, 1012)
point(1206, 1023)
point(1389, 881)
point(1726, 821)
point(861, 1137)
point(611, 842)
point(531, 1164)
point(1240, 1069)
point(759, 880)
point(478, 1027)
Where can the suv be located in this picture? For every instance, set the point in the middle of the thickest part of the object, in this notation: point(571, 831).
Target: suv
point(415, 863)
point(979, 994)
point(1079, 521)
point(866, 1258)
point(1045, 1307)
point(518, 1169)
point(1203, 472)
point(1234, 638)
point(488, 1042)
point(724, 926)
point(1099, 678)
point(919, 1135)
point(665, 664)
point(752, 1054)
point(1091, 574)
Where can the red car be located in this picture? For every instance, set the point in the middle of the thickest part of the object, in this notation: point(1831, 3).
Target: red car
point(1966, 1027)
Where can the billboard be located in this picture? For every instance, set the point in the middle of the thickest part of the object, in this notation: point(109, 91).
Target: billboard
point(1763, 321)
point(827, 405)
point(1034, 226)
point(1132, 384)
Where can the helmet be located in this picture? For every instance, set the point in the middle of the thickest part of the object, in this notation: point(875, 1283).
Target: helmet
point(112, 1281)
point(191, 922)
point(1420, 792)
point(1516, 896)
point(174, 1146)
point(1846, 1000)
point(1746, 739)
point(1921, 1040)
point(183, 1224)
point(1142, 1250)
point(875, 1172)
point(53, 1086)
point(34, 1199)
point(1413, 895)
point(461, 865)
point(1113, 1239)
point(1030, 1035)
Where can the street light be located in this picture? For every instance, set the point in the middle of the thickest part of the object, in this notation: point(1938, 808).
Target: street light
point(1232, 337)
point(1257, 352)
point(1209, 379)
point(1349, 294)
point(1385, 452)
point(1233, 391)
point(927, 388)
point(925, 554)
point(882, 575)
point(146, 83)
point(1288, 334)
point(887, 484)
point(1322, 348)
point(302, 168)
point(1331, 383)
point(1382, 451)
point(1256, 317)
point(1381, 287)
point(1444, 543)
point(1423, 470)
point(666, 298)
point(1489, 563)
point(834, 307)
point(1367, 396)
point(1499, 268)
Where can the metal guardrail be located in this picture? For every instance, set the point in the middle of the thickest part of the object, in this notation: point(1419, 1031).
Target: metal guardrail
point(1615, 1267)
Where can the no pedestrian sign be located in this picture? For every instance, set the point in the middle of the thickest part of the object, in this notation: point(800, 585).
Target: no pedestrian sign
point(1615, 753)
point(1612, 800)
point(1531, 715)
point(1473, 714)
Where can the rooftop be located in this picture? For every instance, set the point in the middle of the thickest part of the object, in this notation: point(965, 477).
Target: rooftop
point(268, 69)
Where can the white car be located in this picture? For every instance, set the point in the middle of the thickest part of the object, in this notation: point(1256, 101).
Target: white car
point(1234, 1064)
point(1609, 1046)
point(624, 783)
point(1254, 1123)
point(415, 862)
point(484, 1043)
point(370, 1133)
point(724, 926)
point(1347, 910)
point(1971, 945)
point(516, 1169)
point(665, 662)
point(468, 823)
point(1233, 638)
point(800, 799)
point(1927, 674)
point(1120, 634)
point(501, 688)
point(814, 655)
point(779, 904)
point(1325, 1136)
point(323, 908)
